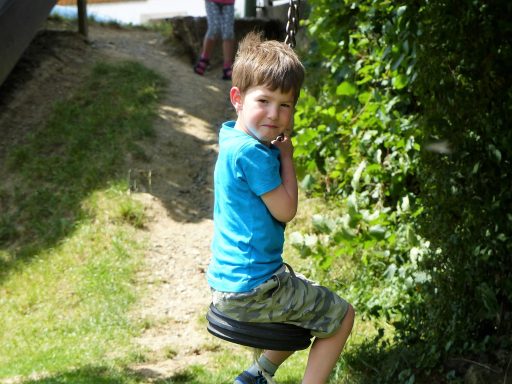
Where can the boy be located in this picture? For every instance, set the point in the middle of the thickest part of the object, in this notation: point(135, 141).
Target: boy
point(255, 194)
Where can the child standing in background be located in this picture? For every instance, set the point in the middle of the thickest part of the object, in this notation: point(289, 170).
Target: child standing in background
point(220, 15)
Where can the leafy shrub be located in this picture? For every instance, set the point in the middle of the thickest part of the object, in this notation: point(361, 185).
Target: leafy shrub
point(404, 128)
point(356, 143)
point(464, 87)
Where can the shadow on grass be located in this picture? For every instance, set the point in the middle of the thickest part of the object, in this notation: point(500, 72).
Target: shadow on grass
point(86, 375)
point(49, 169)
point(81, 149)
point(103, 375)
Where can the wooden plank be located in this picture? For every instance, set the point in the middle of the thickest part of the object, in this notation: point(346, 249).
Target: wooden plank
point(19, 22)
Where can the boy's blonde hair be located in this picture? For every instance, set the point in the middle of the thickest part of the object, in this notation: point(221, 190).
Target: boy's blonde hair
point(268, 63)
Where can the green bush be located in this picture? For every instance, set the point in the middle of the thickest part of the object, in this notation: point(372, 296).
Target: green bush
point(464, 88)
point(403, 127)
point(356, 143)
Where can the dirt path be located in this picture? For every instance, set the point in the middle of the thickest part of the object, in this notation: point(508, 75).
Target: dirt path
point(174, 183)
point(179, 203)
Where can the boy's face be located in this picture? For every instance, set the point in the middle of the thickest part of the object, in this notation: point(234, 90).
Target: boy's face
point(263, 113)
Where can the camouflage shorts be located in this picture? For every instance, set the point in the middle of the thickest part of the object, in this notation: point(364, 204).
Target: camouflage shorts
point(286, 298)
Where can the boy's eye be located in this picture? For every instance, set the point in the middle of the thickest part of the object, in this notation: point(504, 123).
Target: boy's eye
point(286, 105)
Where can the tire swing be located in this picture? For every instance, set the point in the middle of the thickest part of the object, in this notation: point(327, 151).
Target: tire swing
point(273, 336)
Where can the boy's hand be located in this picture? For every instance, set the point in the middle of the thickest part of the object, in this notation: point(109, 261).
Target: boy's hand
point(284, 144)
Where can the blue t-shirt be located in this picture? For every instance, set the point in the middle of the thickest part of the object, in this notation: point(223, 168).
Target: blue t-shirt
point(248, 241)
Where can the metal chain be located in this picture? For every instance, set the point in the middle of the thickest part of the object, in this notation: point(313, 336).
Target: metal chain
point(292, 26)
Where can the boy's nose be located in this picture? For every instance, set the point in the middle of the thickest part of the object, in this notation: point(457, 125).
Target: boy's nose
point(273, 113)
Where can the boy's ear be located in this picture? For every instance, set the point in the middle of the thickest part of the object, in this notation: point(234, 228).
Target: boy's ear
point(236, 98)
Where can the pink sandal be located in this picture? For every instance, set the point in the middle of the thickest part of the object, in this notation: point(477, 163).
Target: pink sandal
point(201, 66)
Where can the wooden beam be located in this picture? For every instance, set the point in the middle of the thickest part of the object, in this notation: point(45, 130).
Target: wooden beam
point(82, 17)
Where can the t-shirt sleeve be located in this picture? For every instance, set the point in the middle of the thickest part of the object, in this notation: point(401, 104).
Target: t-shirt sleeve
point(260, 167)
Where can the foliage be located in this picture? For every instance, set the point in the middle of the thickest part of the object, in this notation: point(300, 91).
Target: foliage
point(393, 87)
point(355, 141)
point(357, 144)
point(464, 87)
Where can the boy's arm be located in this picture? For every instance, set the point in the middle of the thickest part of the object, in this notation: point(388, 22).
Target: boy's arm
point(282, 201)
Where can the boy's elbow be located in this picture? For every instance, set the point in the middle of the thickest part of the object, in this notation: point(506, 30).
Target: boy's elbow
point(281, 205)
point(291, 216)
point(286, 216)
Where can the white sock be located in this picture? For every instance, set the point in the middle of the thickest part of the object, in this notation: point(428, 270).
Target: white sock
point(264, 363)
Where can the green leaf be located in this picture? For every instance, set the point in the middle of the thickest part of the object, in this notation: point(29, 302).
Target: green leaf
point(307, 182)
point(377, 231)
point(400, 81)
point(296, 239)
point(321, 224)
point(346, 89)
point(495, 152)
point(357, 175)
point(488, 299)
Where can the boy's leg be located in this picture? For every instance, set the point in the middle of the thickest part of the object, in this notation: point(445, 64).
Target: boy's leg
point(269, 361)
point(325, 352)
point(303, 303)
point(277, 357)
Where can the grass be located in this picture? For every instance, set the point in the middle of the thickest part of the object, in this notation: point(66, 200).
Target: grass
point(68, 244)
point(68, 306)
point(81, 150)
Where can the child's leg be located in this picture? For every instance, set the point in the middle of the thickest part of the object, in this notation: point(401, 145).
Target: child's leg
point(208, 45)
point(325, 352)
point(228, 47)
point(227, 68)
point(204, 60)
point(268, 362)
point(228, 40)
point(290, 298)
point(277, 357)
point(212, 15)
